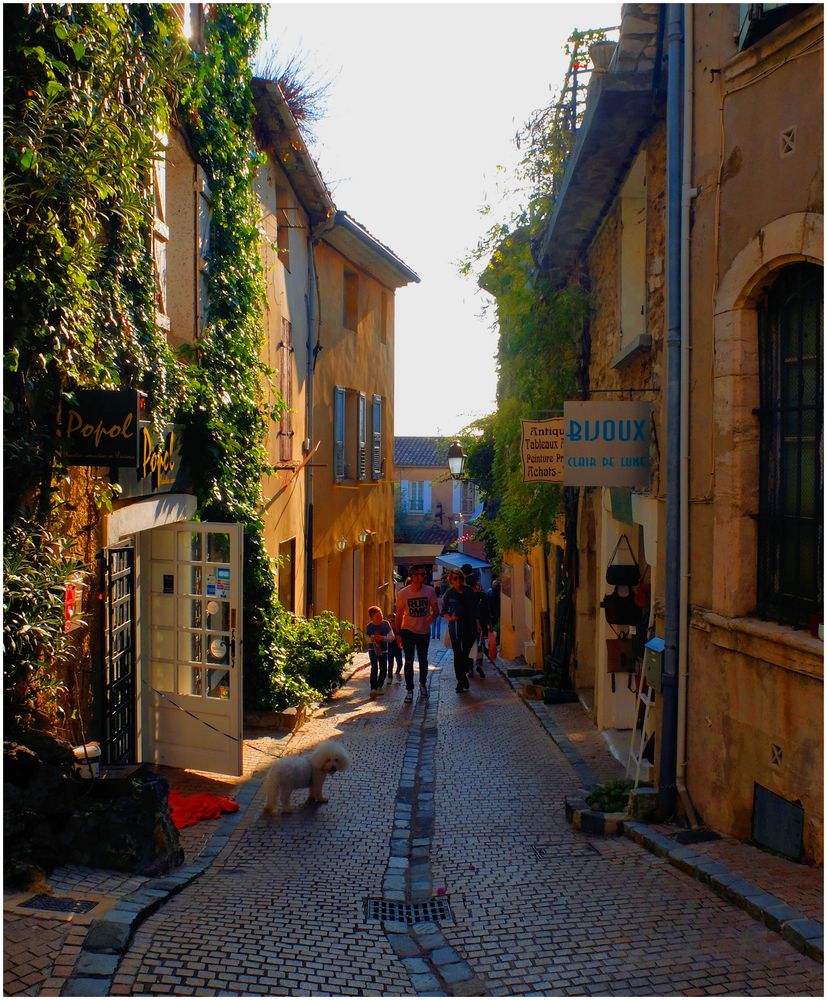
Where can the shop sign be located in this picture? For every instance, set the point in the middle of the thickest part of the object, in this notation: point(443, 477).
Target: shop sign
point(159, 464)
point(100, 427)
point(607, 444)
point(541, 450)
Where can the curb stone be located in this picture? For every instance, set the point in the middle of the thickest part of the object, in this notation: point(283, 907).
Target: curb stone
point(804, 934)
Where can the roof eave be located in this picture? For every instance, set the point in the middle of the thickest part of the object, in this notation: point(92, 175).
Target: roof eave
point(619, 113)
point(285, 141)
point(364, 250)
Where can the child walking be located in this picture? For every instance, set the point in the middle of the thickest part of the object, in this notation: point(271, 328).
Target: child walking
point(379, 633)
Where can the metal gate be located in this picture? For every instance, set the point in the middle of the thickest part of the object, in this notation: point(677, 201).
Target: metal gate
point(119, 687)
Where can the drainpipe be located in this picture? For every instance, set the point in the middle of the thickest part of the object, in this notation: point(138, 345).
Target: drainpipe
point(313, 348)
point(688, 194)
point(668, 748)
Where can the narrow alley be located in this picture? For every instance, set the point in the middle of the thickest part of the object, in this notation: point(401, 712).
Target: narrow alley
point(443, 865)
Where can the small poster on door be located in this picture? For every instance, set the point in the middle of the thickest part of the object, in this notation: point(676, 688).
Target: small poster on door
point(218, 583)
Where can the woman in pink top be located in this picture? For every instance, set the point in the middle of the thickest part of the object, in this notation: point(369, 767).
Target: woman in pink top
point(416, 608)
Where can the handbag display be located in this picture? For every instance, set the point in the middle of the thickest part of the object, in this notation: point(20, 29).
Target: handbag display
point(623, 574)
point(621, 609)
point(619, 655)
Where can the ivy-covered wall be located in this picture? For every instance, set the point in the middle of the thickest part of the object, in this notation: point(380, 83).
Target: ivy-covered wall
point(87, 89)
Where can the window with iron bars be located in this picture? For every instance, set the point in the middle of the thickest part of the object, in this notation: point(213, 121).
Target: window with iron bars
point(790, 517)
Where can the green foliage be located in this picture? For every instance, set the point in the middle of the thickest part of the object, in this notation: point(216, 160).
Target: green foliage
point(539, 333)
point(36, 568)
point(318, 649)
point(86, 87)
point(613, 796)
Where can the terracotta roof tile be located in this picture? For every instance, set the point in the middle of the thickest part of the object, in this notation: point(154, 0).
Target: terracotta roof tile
point(431, 451)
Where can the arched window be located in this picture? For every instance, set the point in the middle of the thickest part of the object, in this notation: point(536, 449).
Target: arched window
point(790, 520)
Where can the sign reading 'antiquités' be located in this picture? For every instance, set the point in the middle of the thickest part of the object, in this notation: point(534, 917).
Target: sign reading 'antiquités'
point(541, 450)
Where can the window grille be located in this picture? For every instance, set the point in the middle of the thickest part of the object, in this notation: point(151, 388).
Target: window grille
point(790, 518)
point(362, 443)
point(376, 459)
point(416, 496)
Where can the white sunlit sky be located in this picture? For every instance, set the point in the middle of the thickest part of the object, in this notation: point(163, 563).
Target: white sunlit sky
point(421, 112)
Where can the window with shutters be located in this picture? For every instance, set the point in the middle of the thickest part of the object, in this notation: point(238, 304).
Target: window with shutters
point(376, 469)
point(758, 19)
point(791, 490)
point(416, 496)
point(285, 432)
point(283, 225)
point(362, 438)
point(338, 434)
point(204, 210)
point(468, 499)
point(160, 231)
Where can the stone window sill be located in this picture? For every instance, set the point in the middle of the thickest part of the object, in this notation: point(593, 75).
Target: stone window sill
point(631, 350)
point(792, 649)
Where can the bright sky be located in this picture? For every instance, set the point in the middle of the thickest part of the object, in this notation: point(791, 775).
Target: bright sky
point(424, 103)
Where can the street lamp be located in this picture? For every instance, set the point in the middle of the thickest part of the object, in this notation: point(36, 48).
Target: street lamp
point(456, 460)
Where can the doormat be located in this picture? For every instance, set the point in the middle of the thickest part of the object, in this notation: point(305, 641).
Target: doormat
point(187, 810)
point(436, 910)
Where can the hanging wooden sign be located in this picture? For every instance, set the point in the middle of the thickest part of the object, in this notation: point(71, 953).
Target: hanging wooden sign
point(607, 444)
point(541, 450)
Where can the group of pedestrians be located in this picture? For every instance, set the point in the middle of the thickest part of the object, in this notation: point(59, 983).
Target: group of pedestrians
point(472, 616)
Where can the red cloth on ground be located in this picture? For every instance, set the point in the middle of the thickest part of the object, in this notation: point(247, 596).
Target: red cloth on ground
point(187, 810)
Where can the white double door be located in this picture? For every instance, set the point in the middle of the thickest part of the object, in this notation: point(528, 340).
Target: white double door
point(191, 678)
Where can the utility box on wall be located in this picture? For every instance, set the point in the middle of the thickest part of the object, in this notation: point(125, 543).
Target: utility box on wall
point(653, 663)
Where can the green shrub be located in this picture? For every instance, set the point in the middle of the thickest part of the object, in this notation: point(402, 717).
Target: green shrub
point(611, 797)
point(318, 650)
point(35, 571)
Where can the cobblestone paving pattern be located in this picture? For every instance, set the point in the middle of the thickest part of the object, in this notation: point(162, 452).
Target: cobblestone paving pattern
point(281, 912)
point(542, 908)
point(539, 908)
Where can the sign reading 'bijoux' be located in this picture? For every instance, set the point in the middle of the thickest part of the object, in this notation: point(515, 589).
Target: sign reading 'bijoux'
point(607, 444)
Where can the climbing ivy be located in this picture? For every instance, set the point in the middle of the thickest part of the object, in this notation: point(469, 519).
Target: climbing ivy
point(88, 88)
point(540, 328)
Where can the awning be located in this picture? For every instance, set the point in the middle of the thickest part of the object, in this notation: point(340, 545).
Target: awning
point(456, 560)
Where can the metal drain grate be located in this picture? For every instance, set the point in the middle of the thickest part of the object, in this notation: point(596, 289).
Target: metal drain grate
point(60, 904)
point(548, 852)
point(436, 910)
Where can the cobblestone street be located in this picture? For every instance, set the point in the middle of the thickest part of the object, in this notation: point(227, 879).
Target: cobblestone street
point(455, 806)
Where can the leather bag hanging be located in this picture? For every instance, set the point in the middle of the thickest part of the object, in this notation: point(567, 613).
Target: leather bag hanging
point(623, 574)
point(620, 657)
point(621, 609)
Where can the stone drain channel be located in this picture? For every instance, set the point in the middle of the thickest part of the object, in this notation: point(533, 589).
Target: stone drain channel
point(434, 967)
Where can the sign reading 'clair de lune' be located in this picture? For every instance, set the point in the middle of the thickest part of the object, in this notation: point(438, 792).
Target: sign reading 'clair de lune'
point(607, 444)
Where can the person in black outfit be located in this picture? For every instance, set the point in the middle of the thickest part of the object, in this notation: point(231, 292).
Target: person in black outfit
point(459, 609)
point(493, 596)
point(473, 582)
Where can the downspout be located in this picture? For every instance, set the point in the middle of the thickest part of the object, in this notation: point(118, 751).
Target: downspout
point(313, 348)
point(688, 194)
point(668, 743)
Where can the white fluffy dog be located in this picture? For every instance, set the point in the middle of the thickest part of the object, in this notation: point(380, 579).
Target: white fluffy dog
point(307, 770)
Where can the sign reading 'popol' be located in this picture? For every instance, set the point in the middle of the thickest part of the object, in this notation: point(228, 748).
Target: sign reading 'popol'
point(606, 444)
point(541, 449)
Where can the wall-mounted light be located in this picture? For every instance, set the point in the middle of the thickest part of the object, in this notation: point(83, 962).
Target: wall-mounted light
point(456, 460)
point(341, 545)
point(364, 535)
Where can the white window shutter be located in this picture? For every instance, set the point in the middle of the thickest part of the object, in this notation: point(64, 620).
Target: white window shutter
point(426, 496)
point(456, 497)
point(403, 492)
